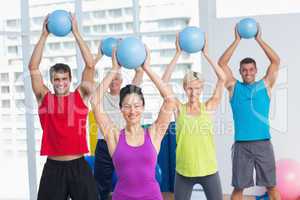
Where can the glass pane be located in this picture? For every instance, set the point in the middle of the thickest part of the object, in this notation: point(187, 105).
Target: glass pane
point(106, 19)
point(159, 33)
point(13, 154)
point(228, 8)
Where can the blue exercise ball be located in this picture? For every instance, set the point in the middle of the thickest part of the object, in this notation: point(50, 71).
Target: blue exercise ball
point(107, 45)
point(59, 23)
point(131, 53)
point(191, 39)
point(247, 28)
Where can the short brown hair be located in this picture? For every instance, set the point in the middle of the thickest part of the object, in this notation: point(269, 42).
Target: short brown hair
point(247, 60)
point(60, 68)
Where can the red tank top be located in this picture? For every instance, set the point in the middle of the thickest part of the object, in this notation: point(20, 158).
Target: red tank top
point(63, 120)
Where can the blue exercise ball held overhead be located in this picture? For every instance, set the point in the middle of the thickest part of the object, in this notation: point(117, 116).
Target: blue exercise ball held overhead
point(131, 53)
point(59, 23)
point(107, 45)
point(247, 28)
point(191, 39)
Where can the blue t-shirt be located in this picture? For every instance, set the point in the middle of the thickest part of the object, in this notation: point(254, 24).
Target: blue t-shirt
point(250, 105)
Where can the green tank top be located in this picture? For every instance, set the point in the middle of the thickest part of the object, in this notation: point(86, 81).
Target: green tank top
point(195, 151)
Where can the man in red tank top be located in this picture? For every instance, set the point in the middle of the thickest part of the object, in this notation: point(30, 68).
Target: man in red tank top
point(63, 117)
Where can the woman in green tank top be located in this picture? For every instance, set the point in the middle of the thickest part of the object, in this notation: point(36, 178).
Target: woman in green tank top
point(195, 151)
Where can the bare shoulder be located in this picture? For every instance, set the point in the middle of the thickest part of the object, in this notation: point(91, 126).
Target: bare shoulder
point(178, 106)
point(112, 140)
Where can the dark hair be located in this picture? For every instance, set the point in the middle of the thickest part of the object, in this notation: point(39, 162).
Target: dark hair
point(248, 60)
point(131, 89)
point(60, 68)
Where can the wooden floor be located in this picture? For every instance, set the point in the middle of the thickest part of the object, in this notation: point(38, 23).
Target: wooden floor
point(198, 196)
point(227, 197)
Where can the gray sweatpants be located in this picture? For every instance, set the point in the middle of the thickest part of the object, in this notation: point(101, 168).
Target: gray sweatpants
point(211, 186)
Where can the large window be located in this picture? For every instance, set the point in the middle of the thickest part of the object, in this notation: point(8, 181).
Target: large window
point(5, 103)
point(98, 29)
point(237, 8)
point(19, 88)
point(12, 23)
point(4, 77)
point(115, 13)
point(13, 50)
point(5, 89)
point(100, 19)
point(159, 33)
point(99, 14)
point(115, 27)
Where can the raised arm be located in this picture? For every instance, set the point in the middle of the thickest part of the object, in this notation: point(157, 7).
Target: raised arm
point(138, 77)
point(215, 100)
point(38, 86)
point(171, 66)
point(273, 68)
point(108, 128)
point(87, 82)
point(224, 60)
point(164, 91)
point(99, 54)
point(159, 127)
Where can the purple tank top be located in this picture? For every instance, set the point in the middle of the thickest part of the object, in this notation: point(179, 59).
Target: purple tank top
point(135, 168)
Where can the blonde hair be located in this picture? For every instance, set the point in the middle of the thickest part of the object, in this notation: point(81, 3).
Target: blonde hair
point(192, 76)
point(118, 74)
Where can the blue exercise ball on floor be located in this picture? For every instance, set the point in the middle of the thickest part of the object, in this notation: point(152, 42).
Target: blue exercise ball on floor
point(247, 28)
point(191, 39)
point(107, 45)
point(131, 53)
point(59, 23)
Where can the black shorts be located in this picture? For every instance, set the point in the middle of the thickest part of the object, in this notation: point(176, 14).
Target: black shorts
point(62, 180)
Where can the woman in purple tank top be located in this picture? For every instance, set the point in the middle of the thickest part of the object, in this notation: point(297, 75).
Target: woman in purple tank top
point(134, 149)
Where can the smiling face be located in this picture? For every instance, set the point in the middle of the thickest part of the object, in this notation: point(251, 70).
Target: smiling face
point(60, 76)
point(61, 83)
point(248, 72)
point(193, 90)
point(193, 86)
point(132, 108)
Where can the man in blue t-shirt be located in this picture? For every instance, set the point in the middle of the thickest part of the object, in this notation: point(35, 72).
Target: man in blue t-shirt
point(250, 103)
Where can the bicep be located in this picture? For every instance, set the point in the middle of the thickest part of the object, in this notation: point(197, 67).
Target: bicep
point(87, 84)
point(271, 75)
point(161, 124)
point(215, 100)
point(230, 79)
point(104, 122)
point(88, 74)
point(109, 130)
point(38, 86)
